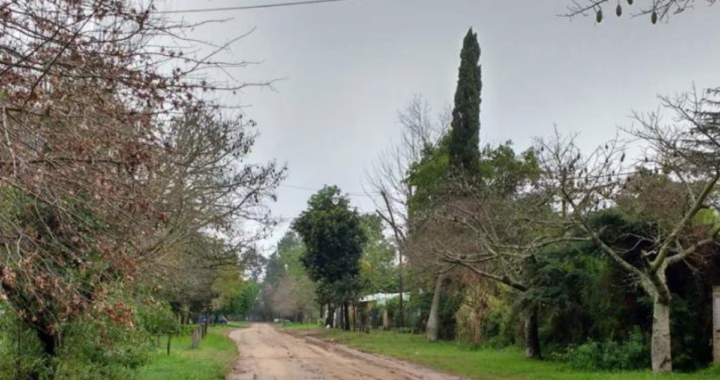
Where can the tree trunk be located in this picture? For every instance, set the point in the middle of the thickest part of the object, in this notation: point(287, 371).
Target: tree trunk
point(195, 338)
point(346, 317)
point(660, 344)
point(433, 324)
point(49, 347)
point(207, 322)
point(339, 317)
point(168, 344)
point(330, 319)
point(532, 336)
point(354, 316)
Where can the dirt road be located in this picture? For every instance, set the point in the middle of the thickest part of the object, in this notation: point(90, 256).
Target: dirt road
point(269, 354)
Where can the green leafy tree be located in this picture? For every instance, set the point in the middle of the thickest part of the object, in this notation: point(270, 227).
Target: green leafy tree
point(234, 295)
point(334, 240)
point(288, 292)
point(465, 127)
point(157, 319)
point(378, 271)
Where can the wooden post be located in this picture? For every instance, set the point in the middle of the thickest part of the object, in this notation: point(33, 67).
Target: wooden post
point(195, 338)
point(351, 317)
point(386, 320)
point(354, 316)
point(168, 345)
point(716, 325)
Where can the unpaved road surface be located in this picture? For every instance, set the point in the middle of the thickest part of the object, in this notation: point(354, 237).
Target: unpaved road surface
point(269, 354)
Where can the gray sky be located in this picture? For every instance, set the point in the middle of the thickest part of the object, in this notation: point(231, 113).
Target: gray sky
point(351, 66)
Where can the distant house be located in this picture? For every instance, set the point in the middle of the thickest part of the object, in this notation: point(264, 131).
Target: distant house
point(380, 299)
point(367, 307)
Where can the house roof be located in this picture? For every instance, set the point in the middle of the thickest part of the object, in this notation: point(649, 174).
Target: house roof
point(382, 298)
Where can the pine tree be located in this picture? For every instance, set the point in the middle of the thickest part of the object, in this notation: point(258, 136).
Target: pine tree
point(464, 147)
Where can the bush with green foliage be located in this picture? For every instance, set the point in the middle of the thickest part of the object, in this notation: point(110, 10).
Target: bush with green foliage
point(630, 354)
point(20, 350)
point(101, 350)
point(501, 326)
point(89, 350)
point(157, 319)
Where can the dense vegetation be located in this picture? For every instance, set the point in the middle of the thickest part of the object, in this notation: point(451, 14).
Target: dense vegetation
point(596, 259)
point(125, 194)
point(485, 364)
point(130, 211)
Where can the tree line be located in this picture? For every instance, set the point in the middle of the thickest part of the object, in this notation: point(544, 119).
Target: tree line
point(565, 249)
point(129, 204)
point(130, 208)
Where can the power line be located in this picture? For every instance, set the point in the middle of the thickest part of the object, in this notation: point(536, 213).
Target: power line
point(249, 7)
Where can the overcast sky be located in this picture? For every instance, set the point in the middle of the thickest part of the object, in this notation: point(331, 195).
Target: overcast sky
point(351, 66)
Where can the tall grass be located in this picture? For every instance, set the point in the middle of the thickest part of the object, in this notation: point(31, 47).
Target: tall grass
point(210, 361)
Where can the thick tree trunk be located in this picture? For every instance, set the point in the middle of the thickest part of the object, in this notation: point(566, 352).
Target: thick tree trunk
point(354, 316)
point(532, 336)
point(330, 318)
point(339, 313)
point(433, 324)
point(207, 322)
point(660, 344)
point(49, 347)
point(346, 317)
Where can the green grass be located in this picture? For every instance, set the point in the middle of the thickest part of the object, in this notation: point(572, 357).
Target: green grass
point(482, 364)
point(208, 362)
point(299, 326)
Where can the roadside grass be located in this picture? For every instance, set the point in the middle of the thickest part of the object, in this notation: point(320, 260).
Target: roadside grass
point(482, 364)
point(210, 361)
point(300, 326)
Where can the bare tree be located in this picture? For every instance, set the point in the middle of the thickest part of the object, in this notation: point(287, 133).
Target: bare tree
point(657, 10)
point(389, 177)
point(205, 182)
point(499, 237)
point(682, 163)
point(89, 89)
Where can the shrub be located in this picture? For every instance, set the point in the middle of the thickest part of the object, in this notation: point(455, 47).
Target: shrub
point(89, 350)
point(101, 350)
point(157, 319)
point(405, 330)
point(501, 327)
point(630, 354)
point(20, 351)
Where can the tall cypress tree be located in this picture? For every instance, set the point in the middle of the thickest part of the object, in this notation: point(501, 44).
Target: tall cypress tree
point(464, 147)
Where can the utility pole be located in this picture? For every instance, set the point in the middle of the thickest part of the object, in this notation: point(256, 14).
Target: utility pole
point(716, 325)
point(400, 242)
point(401, 313)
